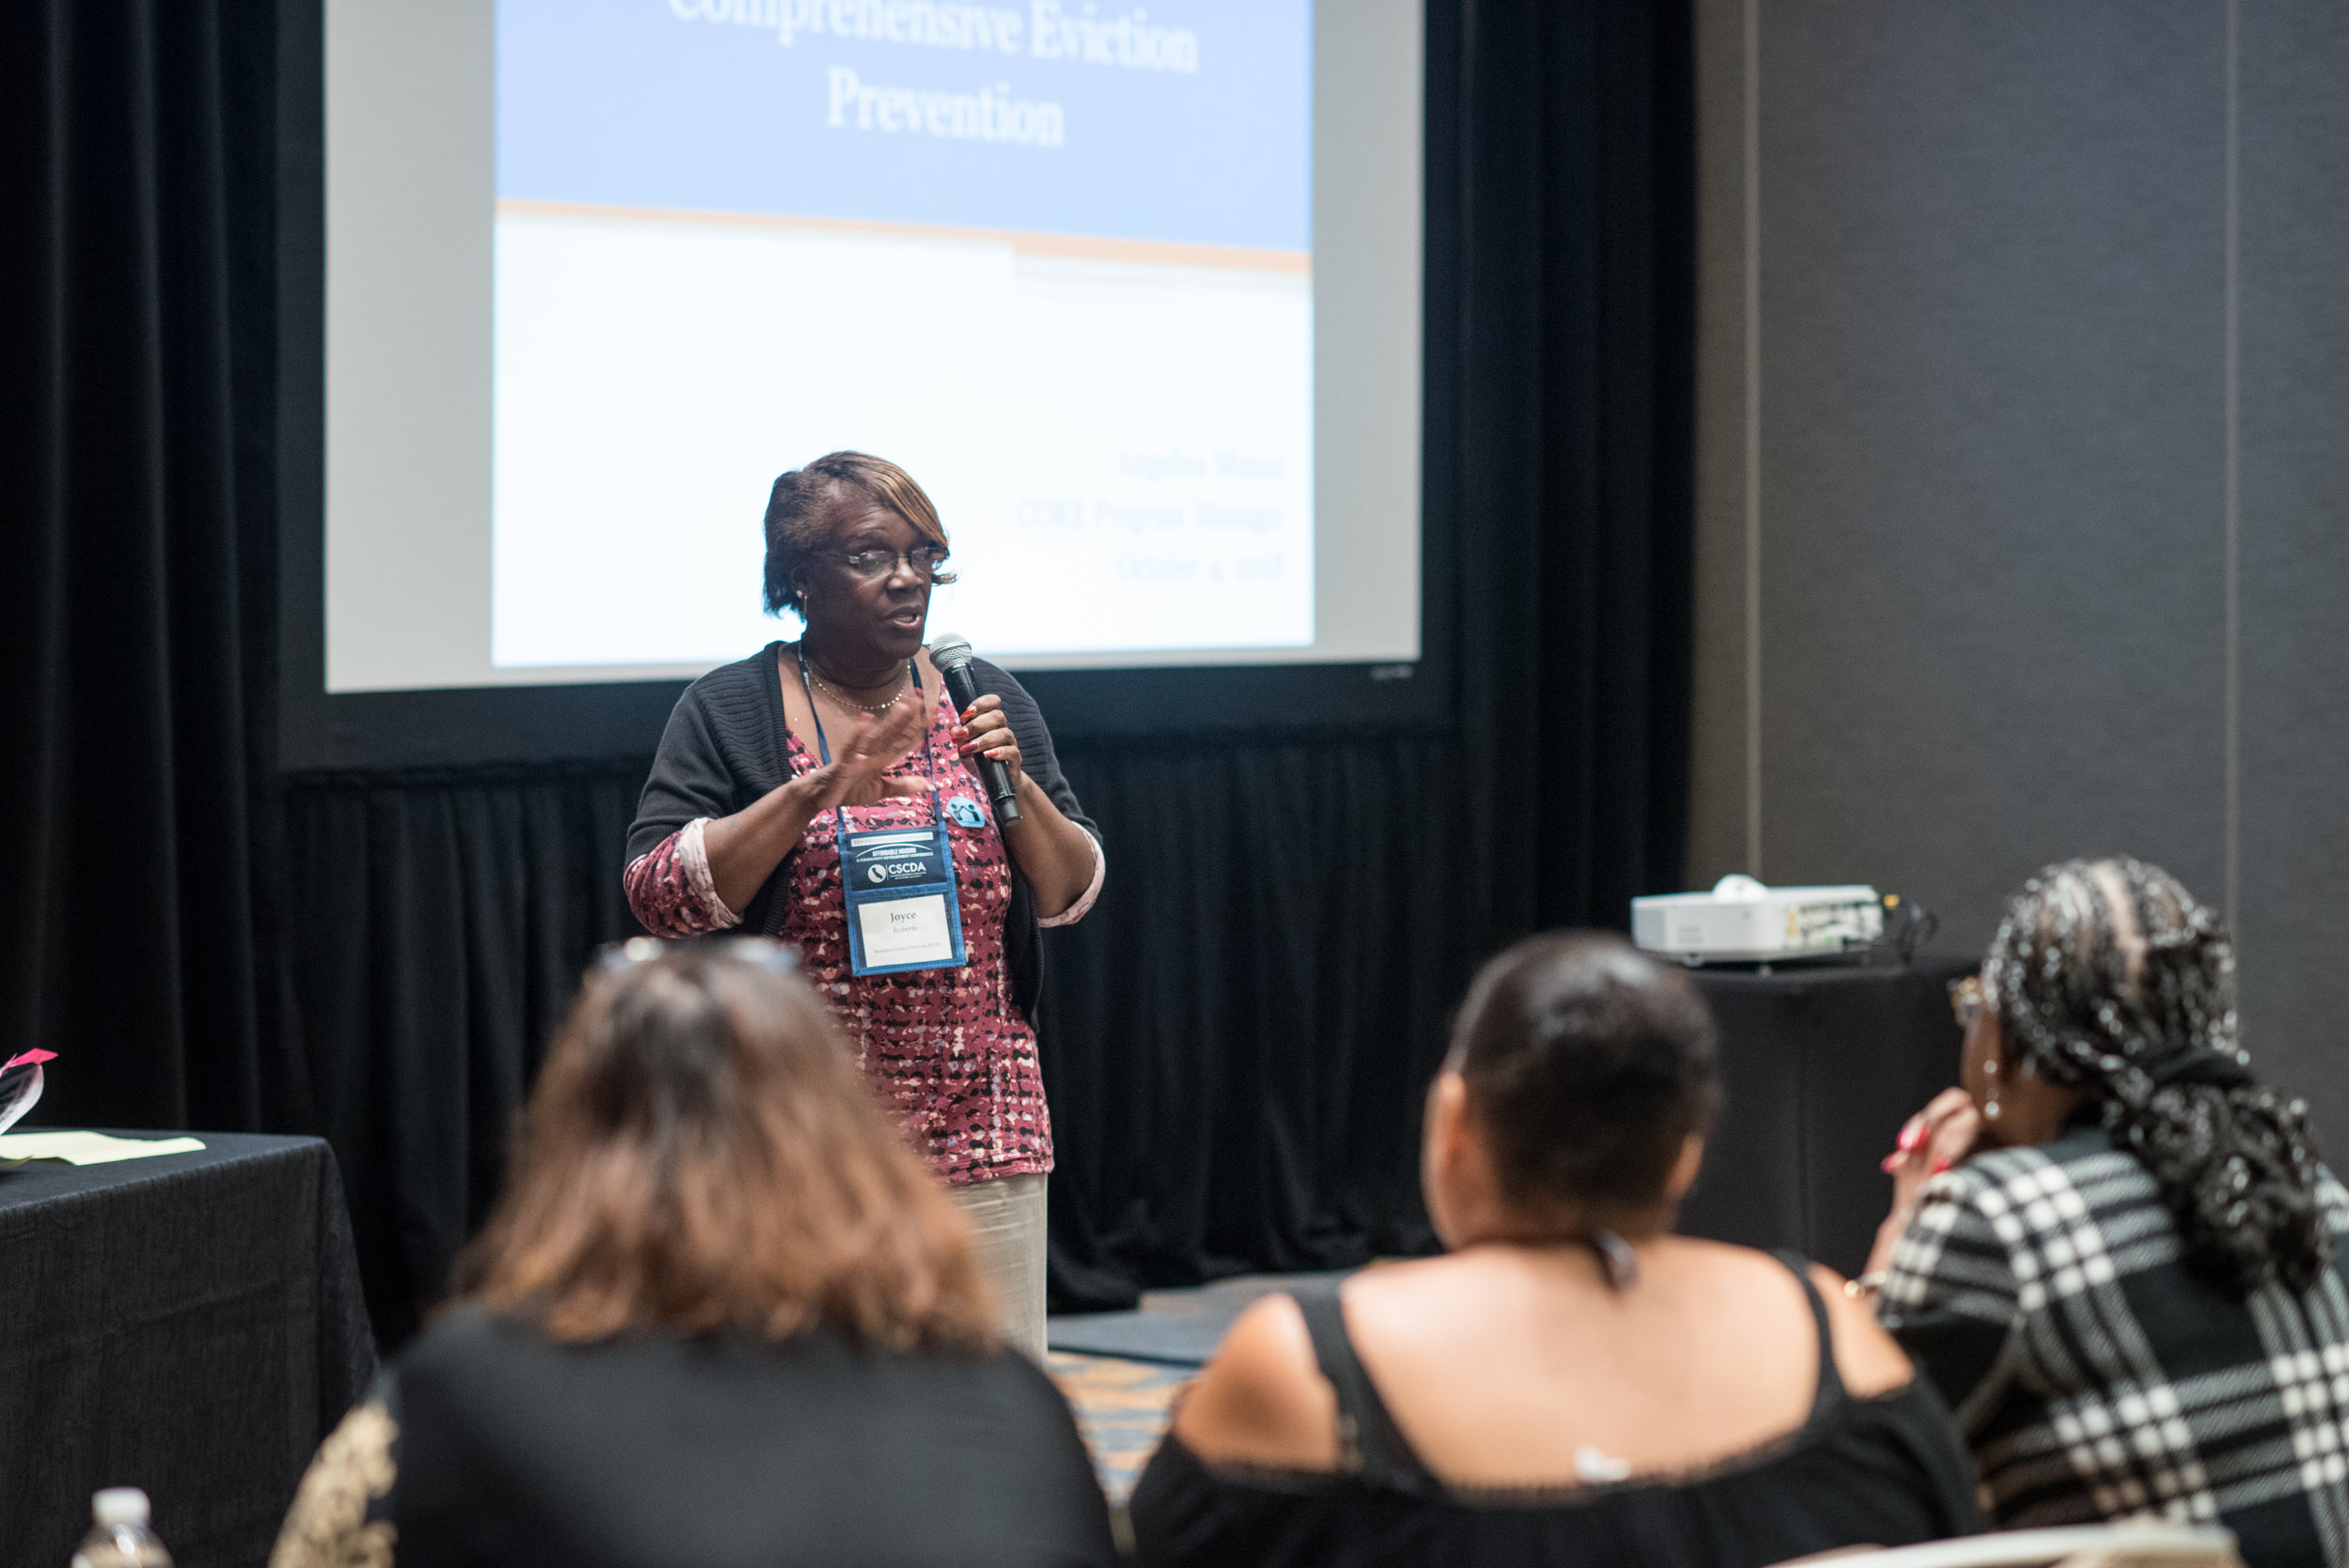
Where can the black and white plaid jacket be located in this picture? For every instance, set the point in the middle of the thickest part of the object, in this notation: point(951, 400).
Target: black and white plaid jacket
point(2095, 1377)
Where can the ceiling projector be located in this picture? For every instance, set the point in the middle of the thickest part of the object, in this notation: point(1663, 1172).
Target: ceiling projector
point(1741, 920)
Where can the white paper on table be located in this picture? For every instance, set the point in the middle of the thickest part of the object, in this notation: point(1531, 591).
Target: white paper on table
point(91, 1148)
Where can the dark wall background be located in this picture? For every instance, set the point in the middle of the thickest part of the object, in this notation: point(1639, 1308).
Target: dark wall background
point(1234, 1041)
point(2024, 375)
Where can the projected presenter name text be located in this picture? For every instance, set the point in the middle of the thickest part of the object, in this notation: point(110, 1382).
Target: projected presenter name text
point(1068, 514)
point(1048, 30)
point(986, 116)
point(1177, 463)
point(1218, 569)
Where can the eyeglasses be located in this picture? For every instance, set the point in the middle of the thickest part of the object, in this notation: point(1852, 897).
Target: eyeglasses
point(1965, 999)
point(775, 956)
point(923, 561)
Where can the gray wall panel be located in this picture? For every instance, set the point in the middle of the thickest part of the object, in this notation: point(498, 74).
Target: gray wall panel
point(1993, 452)
point(2294, 519)
point(1991, 607)
point(1716, 818)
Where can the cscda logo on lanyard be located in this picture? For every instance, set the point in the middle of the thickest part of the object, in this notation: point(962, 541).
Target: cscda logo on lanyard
point(905, 912)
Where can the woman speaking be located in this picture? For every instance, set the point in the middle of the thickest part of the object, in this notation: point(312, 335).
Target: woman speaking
point(844, 744)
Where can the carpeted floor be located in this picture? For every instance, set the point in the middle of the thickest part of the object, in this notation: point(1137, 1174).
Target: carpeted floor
point(1122, 1408)
point(1120, 1370)
point(1178, 1326)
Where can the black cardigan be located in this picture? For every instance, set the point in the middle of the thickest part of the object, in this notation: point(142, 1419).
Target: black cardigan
point(728, 745)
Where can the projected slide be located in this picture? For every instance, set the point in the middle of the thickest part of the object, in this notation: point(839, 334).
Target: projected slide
point(1054, 258)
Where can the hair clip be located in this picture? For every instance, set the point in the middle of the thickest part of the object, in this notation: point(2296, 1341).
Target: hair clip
point(1616, 1259)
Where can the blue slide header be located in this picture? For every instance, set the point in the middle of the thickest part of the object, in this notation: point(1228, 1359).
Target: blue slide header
point(1187, 121)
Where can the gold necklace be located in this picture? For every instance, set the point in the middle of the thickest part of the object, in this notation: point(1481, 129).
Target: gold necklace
point(833, 693)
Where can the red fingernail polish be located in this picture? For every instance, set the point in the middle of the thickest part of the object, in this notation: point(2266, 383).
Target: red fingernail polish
point(1940, 1164)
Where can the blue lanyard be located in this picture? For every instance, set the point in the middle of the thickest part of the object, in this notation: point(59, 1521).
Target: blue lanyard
point(823, 748)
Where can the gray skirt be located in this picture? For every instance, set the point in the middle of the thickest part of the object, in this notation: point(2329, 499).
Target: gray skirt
point(1006, 1218)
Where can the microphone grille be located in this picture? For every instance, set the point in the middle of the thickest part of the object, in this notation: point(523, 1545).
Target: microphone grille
point(949, 651)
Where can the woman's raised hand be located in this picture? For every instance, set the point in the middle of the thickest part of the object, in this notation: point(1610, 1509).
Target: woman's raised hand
point(860, 770)
point(1941, 1135)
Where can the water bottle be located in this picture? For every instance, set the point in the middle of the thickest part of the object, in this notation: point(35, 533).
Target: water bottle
point(119, 1538)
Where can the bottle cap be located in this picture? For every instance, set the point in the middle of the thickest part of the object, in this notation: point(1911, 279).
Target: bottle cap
point(119, 1505)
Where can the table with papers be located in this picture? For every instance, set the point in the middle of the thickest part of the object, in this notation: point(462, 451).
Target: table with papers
point(181, 1314)
point(90, 1148)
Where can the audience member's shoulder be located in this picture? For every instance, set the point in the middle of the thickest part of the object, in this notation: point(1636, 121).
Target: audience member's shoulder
point(1999, 1180)
point(1985, 1176)
point(469, 1365)
point(1262, 1401)
point(1006, 1374)
point(2082, 1141)
point(1869, 1359)
point(460, 1339)
point(2333, 1198)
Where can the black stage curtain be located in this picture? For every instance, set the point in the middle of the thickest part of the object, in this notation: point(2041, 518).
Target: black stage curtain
point(1561, 427)
point(139, 891)
point(443, 925)
point(1234, 1042)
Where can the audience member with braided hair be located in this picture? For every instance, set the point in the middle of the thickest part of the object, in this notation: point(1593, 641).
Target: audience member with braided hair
point(2113, 1249)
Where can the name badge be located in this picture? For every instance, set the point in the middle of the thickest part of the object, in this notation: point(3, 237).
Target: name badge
point(905, 912)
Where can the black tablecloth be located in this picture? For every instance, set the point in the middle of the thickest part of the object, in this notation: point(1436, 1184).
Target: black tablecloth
point(1821, 1066)
point(191, 1324)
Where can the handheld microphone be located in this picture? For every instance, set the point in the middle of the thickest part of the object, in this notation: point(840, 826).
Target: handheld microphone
point(952, 655)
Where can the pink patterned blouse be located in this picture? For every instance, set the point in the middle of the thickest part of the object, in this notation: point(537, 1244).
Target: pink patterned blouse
point(947, 1051)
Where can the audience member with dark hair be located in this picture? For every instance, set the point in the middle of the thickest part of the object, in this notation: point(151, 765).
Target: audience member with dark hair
point(2127, 1285)
point(721, 1315)
point(1571, 1383)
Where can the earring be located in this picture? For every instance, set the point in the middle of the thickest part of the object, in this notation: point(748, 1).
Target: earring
point(1990, 1095)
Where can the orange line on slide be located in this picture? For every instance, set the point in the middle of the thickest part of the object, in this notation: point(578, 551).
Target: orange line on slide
point(1166, 252)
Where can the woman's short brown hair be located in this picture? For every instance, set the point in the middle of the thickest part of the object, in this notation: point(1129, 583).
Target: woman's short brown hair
point(702, 1154)
point(805, 504)
point(1588, 1065)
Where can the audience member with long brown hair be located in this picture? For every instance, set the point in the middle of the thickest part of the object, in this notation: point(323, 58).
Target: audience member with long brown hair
point(721, 1315)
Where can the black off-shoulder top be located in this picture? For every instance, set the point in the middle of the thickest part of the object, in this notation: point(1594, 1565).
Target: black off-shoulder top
point(1888, 1470)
